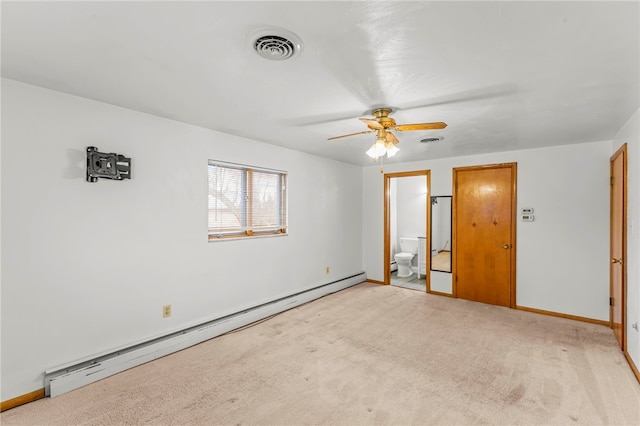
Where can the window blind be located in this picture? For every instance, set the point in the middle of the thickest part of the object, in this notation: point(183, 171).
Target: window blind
point(245, 201)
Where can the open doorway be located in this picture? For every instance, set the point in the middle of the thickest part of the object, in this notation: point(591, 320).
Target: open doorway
point(406, 263)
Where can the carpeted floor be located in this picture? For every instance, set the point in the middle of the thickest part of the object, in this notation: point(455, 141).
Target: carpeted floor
point(371, 354)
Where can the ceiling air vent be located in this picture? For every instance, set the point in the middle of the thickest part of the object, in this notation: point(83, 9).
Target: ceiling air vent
point(275, 44)
point(429, 140)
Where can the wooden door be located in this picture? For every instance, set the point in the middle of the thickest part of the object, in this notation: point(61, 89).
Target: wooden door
point(617, 267)
point(484, 203)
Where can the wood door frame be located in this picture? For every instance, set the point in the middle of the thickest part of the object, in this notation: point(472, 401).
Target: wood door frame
point(387, 222)
point(622, 151)
point(514, 202)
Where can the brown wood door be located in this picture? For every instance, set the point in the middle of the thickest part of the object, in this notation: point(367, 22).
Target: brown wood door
point(484, 233)
point(617, 237)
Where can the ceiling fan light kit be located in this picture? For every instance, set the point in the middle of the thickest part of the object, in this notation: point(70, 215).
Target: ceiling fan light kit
point(382, 146)
point(392, 150)
point(386, 141)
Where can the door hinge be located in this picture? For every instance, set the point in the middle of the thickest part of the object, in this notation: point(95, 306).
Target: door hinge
point(611, 301)
point(611, 180)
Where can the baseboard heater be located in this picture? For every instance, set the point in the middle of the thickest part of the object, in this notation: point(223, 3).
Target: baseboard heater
point(71, 376)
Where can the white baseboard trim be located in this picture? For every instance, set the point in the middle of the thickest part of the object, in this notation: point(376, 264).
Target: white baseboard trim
point(59, 380)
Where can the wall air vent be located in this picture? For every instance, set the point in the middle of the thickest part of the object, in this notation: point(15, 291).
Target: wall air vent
point(275, 44)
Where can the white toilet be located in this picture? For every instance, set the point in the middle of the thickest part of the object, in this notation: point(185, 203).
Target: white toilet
point(408, 250)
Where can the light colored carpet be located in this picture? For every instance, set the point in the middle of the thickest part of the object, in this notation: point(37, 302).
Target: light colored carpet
point(371, 354)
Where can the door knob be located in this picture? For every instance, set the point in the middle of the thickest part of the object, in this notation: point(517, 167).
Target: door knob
point(505, 246)
point(613, 260)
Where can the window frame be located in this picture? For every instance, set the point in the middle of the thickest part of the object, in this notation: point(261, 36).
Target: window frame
point(247, 228)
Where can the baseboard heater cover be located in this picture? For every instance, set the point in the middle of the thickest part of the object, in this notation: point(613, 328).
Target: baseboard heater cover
point(63, 379)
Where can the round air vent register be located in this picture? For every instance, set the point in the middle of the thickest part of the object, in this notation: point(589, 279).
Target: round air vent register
point(276, 44)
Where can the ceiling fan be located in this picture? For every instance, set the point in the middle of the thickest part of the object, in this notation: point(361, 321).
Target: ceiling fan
point(386, 141)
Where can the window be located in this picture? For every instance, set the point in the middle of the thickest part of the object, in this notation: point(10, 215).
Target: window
point(246, 201)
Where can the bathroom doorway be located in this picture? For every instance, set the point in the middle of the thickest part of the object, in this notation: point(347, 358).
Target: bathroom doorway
point(406, 219)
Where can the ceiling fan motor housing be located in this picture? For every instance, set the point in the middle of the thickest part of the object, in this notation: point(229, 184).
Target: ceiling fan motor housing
point(382, 116)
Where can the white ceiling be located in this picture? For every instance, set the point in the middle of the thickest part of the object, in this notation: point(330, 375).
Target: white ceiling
point(502, 75)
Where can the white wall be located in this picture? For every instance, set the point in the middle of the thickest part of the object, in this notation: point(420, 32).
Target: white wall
point(86, 267)
point(630, 134)
point(562, 257)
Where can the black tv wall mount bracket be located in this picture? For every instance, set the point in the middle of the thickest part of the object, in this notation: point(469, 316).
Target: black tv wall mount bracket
point(107, 166)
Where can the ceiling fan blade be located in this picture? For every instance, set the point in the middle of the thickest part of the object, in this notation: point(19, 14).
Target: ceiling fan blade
point(351, 134)
point(372, 123)
point(392, 138)
point(420, 126)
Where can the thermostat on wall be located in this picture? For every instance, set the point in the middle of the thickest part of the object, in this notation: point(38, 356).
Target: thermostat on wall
point(527, 218)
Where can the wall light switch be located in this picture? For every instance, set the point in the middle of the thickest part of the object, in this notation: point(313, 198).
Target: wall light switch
point(527, 218)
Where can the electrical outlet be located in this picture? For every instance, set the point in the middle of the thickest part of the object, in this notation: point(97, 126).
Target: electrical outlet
point(166, 311)
point(327, 270)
